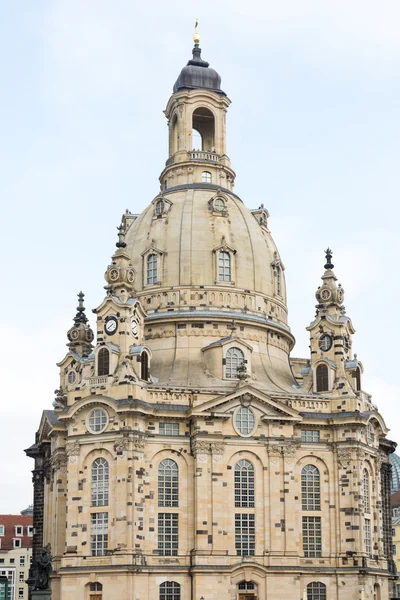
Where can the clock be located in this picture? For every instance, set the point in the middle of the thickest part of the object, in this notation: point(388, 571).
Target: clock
point(74, 334)
point(325, 342)
point(325, 294)
point(135, 328)
point(111, 325)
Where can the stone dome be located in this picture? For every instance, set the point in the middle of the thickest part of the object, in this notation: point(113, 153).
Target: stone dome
point(186, 229)
point(198, 75)
point(395, 462)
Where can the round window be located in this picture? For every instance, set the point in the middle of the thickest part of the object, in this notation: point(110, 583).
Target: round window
point(325, 342)
point(98, 420)
point(71, 377)
point(219, 205)
point(245, 421)
point(160, 207)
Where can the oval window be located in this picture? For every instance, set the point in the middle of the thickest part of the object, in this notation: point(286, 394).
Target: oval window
point(245, 420)
point(97, 421)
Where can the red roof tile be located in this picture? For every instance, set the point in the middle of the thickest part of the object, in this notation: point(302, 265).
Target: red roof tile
point(9, 522)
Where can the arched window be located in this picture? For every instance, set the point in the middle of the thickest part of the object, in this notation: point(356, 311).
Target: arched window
point(310, 488)
point(152, 265)
point(160, 207)
point(358, 379)
point(103, 362)
point(322, 377)
point(234, 358)
point(206, 177)
point(203, 124)
point(278, 281)
point(365, 491)
point(316, 591)
point(170, 590)
point(144, 367)
point(100, 482)
point(370, 435)
point(244, 484)
point(168, 483)
point(224, 266)
point(197, 140)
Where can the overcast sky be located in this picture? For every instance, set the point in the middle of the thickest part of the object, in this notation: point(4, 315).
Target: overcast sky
point(313, 133)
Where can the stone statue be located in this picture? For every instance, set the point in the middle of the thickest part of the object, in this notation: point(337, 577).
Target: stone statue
point(43, 569)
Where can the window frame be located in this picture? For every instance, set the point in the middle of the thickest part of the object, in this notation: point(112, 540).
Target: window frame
point(239, 411)
point(103, 363)
point(19, 530)
point(152, 266)
point(316, 590)
point(322, 379)
point(170, 592)
point(244, 485)
point(310, 488)
point(17, 542)
point(305, 433)
point(311, 536)
point(168, 484)
point(163, 428)
point(168, 541)
point(100, 488)
point(245, 534)
point(88, 421)
point(206, 176)
point(230, 370)
point(224, 266)
point(99, 539)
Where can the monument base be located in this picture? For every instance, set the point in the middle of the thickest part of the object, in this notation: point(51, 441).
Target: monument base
point(41, 595)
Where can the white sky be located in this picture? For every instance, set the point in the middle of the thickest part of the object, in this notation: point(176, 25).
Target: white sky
point(313, 133)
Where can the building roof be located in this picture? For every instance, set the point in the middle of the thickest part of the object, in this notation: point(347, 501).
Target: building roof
point(395, 499)
point(198, 75)
point(9, 523)
point(395, 462)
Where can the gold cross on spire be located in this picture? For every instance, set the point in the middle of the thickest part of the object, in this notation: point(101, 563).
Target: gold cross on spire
point(196, 37)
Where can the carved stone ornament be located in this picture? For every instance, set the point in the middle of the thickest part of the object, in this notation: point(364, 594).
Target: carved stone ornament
point(246, 399)
point(274, 453)
point(121, 445)
point(200, 447)
point(139, 440)
point(59, 460)
point(72, 450)
point(344, 457)
point(289, 452)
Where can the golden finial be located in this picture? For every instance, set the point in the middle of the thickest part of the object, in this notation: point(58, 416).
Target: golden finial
point(196, 37)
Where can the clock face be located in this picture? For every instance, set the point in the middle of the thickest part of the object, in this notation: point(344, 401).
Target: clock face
point(111, 325)
point(325, 342)
point(135, 328)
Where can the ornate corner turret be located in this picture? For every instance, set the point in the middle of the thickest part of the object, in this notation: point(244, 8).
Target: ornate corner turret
point(80, 336)
point(333, 369)
point(120, 275)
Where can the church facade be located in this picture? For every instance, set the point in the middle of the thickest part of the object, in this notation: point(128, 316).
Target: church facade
point(188, 455)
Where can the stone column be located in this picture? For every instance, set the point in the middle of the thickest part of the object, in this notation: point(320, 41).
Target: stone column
point(202, 496)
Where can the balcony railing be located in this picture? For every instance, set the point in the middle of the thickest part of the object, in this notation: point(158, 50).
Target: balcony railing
point(200, 155)
point(98, 380)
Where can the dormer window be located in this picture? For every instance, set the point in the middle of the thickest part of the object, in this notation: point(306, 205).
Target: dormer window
point(160, 207)
point(219, 205)
point(278, 281)
point(152, 269)
point(206, 177)
point(224, 266)
point(234, 359)
point(322, 378)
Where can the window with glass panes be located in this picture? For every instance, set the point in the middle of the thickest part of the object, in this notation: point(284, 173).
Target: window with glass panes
point(98, 533)
point(21, 576)
point(167, 534)
point(98, 418)
point(245, 534)
point(365, 491)
point(168, 429)
point(224, 266)
point(312, 541)
point(168, 483)
point(170, 590)
point(367, 536)
point(316, 591)
point(310, 488)
point(152, 269)
point(245, 420)
point(244, 484)
point(100, 482)
point(310, 435)
point(234, 359)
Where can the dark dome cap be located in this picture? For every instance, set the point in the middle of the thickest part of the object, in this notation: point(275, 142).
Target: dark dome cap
point(198, 75)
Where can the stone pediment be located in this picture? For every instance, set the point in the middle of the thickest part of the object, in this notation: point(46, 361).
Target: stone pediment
point(270, 408)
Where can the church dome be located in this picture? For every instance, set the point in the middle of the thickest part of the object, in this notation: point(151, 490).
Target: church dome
point(395, 462)
point(198, 75)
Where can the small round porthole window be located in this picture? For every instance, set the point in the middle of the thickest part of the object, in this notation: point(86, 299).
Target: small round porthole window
point(219, 205)
point(97, 421)
point(71, 377)
point(160, 207)
point(244, 421)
